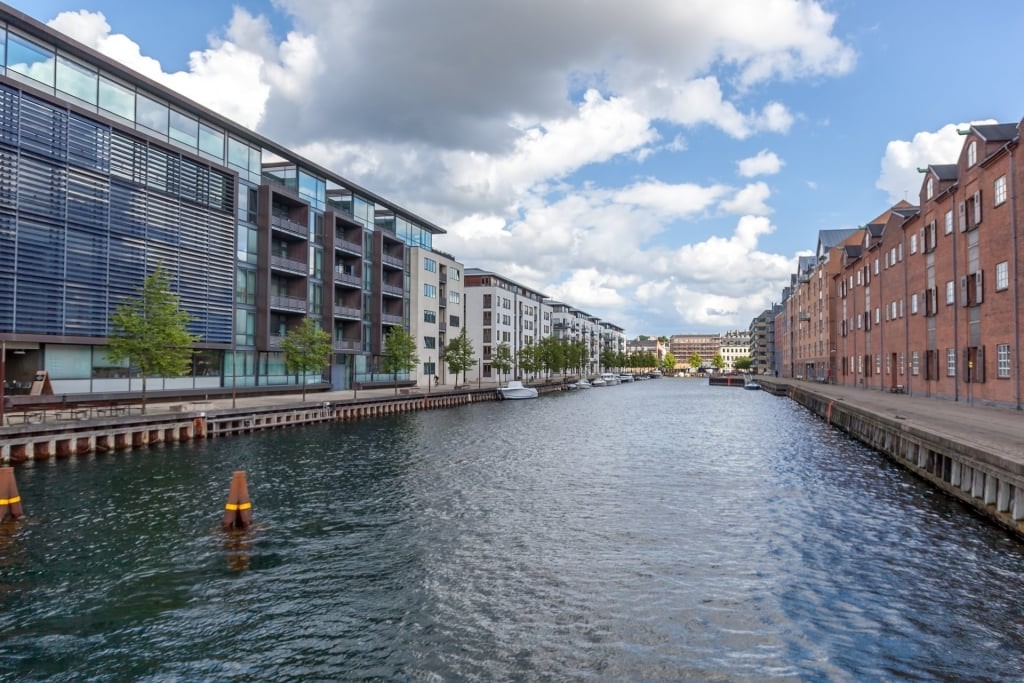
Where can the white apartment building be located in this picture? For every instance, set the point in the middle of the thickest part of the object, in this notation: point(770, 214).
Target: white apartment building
point(499, 310)
point(437, 313)
point(735, 344)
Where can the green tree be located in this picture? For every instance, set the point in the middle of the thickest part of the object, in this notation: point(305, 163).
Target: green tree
point(743, 363)
point(399, 353)
point(151, 332)
point(668, 363)
point(307, 348)
point(718, 362)
point(459, 356)
point(696, 361)
point(501, 361)
point(529, 359)
point(609, 359)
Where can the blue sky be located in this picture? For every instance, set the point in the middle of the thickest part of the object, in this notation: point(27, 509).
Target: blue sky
point(660, 165)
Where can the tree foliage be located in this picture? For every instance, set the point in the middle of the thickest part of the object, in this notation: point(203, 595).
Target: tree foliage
point(151, 332)
point(743, 363)
point(399, 353)
point(501, 361)
point(718, 362)
point(307, 348)
point(668, 363)
point(529, 359)
point(459, 356)
point(696, 361)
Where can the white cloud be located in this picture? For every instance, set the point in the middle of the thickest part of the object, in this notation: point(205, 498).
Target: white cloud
point(900, 178)
point(750, 200)
point(763, 163)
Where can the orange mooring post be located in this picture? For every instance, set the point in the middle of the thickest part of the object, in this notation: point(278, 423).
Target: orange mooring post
point(238, 511)
point(10, 501)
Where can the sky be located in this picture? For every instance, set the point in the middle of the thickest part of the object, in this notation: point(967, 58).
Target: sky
point(659, 164)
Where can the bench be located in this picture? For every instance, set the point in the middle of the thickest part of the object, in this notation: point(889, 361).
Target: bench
point(897, 389)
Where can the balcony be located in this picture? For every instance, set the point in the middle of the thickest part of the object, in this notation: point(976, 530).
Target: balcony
point(347, 345)
point(393, 261)
point(390, 319)
point(292, 304)
point(441, 303)
point(275, 341)
point(343, 277)
point(391, 290)
point(288, 265)
point(288, 226)
point(442, 327)
point(347, 312)
point(347, 246)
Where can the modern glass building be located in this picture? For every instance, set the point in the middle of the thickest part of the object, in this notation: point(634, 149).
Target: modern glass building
point(106, 175)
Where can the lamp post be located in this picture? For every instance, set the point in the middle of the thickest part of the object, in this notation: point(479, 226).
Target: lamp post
point(430, 380)
point(3, 380)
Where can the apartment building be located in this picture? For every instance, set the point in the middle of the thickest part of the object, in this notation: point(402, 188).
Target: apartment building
point(683, 346)
point(735, 345)
point(109, 175)
point(927, 299)
point(437, 311)
point(500, 310)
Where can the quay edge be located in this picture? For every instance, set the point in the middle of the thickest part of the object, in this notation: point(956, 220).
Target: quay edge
point(987, 481)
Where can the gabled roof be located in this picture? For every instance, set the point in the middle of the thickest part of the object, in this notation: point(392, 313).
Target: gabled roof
point(944, 171)
point(831, 238)
point(906, 211)
point(996, 132)
point(852, 252)
point(875, 229)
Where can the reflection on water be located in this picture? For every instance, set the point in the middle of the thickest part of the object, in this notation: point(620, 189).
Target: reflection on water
point(662, 530)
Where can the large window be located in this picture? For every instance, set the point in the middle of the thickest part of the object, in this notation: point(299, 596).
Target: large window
point(184, 129)
point(429, 342)
point(76, 80)
point(429, 265)
point(429, 316)
point(151, 114)
point(950, 292)
point(454, 297)
point(245, 286)
point(30, 59)
point(429, 291)
point(1002, 360)
point(117, 99)
point(951, 362)
point(1002, 276)
point(999, 190)
point(211, 142)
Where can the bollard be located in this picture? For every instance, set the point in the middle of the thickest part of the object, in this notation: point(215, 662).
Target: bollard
point(10, 501)
point(238, 511)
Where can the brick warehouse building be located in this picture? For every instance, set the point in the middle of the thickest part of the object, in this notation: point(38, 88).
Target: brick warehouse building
point(105, 174)
point(928, 299)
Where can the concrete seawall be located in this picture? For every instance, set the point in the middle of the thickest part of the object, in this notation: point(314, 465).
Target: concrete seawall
point(973, 454)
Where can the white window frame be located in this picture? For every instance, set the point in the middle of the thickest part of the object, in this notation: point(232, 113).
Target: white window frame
point(950, 362)
point(913, 244)
point(1002, 276)
point(999, 191)
point(972, 153)
point(949, 222)
point(913, 304)
point(1002, 361)
point(950, 292)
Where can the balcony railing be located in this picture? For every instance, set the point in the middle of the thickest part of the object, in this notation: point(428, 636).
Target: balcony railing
point(392, 290)
point(389, 260)
point(346, 245)
point(289, 265)
point(342, 277)
point(289, 226)
point(275, 341)
point(442, 327)
point(347, 345)
point(347, 312)
point(390, 319)
point(288, 303)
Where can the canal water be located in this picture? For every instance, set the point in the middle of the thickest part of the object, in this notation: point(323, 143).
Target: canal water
point(656, 531)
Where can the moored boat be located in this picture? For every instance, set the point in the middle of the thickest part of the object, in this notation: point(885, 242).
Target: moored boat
point(516, 390)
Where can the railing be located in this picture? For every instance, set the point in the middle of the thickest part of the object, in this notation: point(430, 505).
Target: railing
point(347, 345)
point(346, 245)
point(341, 276)
point(391, 319)
point(393, 290)
point(290, 265)
point(288, 303)
point(442, 327)
point(347, 312)
point(275, 341)
point(389, 260)
point(289, 226)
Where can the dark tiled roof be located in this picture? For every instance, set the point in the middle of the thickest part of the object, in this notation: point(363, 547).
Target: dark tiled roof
point(875, 229)
point(831, 238)
point(996, 132)
point(907, 211)
point(852, 251)
point(944, 171)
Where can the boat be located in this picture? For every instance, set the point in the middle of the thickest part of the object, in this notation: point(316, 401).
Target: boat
point(625, 378)
point(583, 384)
point(598, 382)
point(750, 383)
point(516, 389)
point(610, 378)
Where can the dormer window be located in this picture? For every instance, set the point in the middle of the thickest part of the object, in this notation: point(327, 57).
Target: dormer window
point(972, 153)
point(931, 188)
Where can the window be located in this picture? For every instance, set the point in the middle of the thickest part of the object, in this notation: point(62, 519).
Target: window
point(184, 129)
point(1002, 276)
point(915, 366)
point(902, 364)
point(487, 300)
point(76, 80)
point(151, 114)
point(950, 362)
point(1002, 360)
point(429, 265)
point(429, 342)
point(429, 316)
point(454, 297)
point(931, 188)
point(949, 222)
point(972, 290)
point(972, 153)
point(211, 142)
point(429, 291)
point(999, 191)
point(950, 293)
point(30, 59)
point(913, 244)
point(454, 320)
point(878, 315)
point(453, 273)
point(876, 266)
point(117, 99)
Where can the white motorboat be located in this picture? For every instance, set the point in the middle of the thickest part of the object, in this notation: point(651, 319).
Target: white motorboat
point(598, 382)
point(515, 390)
point(625, 377)
point(583, 384)
point(610, 378)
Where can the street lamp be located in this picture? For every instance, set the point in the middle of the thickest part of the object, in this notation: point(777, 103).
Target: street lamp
point(430, 380)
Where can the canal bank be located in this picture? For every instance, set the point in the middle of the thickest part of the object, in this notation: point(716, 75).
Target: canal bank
point(63, 432)
point(973, 453)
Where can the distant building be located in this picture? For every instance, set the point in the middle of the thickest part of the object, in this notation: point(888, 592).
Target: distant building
point(683, 346)
point(735, 345)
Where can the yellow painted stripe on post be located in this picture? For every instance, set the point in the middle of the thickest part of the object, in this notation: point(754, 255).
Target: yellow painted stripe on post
point(10, 501)
point(235, 506)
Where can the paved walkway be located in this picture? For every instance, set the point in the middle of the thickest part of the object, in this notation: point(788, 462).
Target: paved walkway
point(996, 430)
